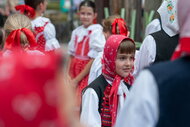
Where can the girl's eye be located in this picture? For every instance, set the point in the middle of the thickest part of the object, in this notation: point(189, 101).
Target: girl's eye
point(122, 58)
point(132, 58)
point(89, 14)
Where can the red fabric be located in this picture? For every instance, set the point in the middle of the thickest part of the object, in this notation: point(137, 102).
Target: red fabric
point(28, 91)
point(129, 79)
point(108, 70)
point(78, 64)
point(183, 48)
point(13, 40)
point(27, 10)
point(40, 39)
point(105, 110)
point(119, 24)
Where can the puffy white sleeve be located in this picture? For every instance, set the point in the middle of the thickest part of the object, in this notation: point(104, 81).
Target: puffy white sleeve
point(50, 36)
point(141, 106)
point(147, 53)
point(152, 27)
point(96, 68)
point(97, 42)
point(89, 114)
point(71, 45)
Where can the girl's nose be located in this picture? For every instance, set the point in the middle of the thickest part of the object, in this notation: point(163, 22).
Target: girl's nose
point(128, 62)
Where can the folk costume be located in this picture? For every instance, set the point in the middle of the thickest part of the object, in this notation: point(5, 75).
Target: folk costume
point(96, 68)
point(44, 30)
point(104, 97)
point(159, 46)
point(160, 95)
point(84, 45)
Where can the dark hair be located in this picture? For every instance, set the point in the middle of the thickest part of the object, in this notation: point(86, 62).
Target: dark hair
point(2, 37)
point(127, 46)
point(88, 3)
point(33, 3)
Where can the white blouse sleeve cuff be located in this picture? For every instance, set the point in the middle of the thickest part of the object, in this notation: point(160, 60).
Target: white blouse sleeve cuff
point(52, 44)
point(93, 53)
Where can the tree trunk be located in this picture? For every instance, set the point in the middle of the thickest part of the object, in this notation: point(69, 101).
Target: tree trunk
point(138, 29)
point(115, 6)
point(100, 4)
point(152, 5)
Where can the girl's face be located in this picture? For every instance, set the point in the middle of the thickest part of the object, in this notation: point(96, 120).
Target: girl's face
point(43, 6)
point(87, 15)
point(124, 64)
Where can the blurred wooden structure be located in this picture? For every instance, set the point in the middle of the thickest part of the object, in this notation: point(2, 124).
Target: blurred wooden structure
point(136, 16)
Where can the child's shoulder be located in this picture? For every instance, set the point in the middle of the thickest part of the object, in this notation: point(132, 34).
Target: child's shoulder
point(95, 27)
point(100, 81)
point(99, 85)
point(79, 28)
point(40, 21)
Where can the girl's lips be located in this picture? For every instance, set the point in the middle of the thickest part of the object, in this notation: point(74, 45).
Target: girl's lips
point(126, 69)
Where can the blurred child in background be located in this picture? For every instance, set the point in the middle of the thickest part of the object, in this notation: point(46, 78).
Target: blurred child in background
point(43, 28)
point(86, 41)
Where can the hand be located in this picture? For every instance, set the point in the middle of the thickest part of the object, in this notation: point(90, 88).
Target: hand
point(75, 82)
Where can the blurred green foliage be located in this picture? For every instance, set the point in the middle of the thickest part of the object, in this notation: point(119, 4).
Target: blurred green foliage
point(53, 5)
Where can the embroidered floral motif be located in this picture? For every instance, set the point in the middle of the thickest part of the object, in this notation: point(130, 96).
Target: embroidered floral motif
point(170, 8)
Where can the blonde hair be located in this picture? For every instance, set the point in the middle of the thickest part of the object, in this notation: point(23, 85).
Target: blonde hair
point(107, 23)
point(17, 21)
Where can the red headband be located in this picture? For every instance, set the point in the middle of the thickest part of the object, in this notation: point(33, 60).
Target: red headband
point(25, 9)
point(122, 27)
point(13, 40)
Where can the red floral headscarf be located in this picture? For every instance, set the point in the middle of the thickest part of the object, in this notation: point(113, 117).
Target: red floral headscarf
point(108, 70)
point(183, 47)
point(28, 91)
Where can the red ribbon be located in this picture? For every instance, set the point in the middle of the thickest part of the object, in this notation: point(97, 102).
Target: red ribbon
point(182, 48)
point(119, 27)
point(27, 10)
point(13, 39)
point(114, 98)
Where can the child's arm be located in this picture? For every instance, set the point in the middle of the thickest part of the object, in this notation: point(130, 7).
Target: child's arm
point(84, 72)
point(89, 109)
point(68, 65)
point(50, 35)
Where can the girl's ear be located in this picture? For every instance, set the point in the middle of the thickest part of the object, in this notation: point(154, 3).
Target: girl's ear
point(128, 33)
point(95, 18)
point(40, 6)
point(95, 15)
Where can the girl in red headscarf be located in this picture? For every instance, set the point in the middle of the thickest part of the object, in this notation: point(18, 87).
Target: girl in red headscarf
point(18, 35)
point(112, 25)
point(44, 30)
point(104, 97)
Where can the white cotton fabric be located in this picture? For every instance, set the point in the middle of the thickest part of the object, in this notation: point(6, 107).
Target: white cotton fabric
point(146, 55)
point(96, 42)
point(90, 102)
point(49, 33)
point(171, 27)
point(96, 68)
point(141, 107)
point(152, 27)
